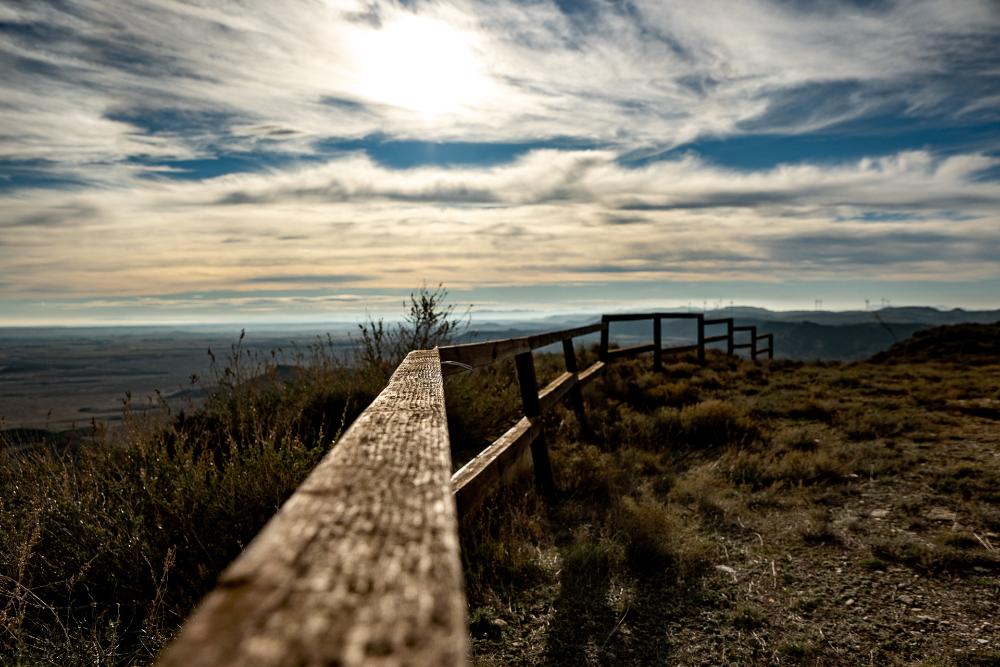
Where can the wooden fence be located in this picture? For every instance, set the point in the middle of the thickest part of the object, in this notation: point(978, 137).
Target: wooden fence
point(361, 565)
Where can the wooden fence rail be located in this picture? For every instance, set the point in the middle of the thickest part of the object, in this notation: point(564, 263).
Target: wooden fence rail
point(361, 566)
point(506, 457)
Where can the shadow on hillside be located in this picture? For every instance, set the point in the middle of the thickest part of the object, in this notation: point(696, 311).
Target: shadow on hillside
point(594, 623)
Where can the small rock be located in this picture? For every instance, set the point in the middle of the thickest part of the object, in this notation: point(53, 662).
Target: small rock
point(905, 599)
point(725, 568)
point(940, 514)
point(849, 602)
point(924, 617)
point(500, 623)
point(878, 514)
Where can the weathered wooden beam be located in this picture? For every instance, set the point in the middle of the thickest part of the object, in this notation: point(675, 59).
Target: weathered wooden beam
point(553, 392)
point(361, 565)
point(681, 316)
point(752, 344)
point(701, 338)
point(657, 343)
point(576, 391)
point(602, 353)
point(592, 371)
point(628, 317)
point(677, 349)
point(505, 459)
point(528, 382)
point(483, 354)
point(629, 351)
point(770, 345)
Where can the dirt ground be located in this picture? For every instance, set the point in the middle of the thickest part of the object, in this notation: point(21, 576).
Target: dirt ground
point(862, 528)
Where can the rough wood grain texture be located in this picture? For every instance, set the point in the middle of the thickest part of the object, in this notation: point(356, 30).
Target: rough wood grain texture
point(553, 392)
point(627, 317)
point(507, 458)
point(592, 371)
point(540, 462)
point(361, 565)
point(483, 354)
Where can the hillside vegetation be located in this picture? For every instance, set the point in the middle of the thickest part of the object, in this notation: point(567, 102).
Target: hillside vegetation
point(109, 538)
point(726, 513)
point(977, 344)
point(787, 513)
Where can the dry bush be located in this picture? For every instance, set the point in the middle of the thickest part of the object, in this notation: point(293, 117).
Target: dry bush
point(715, 423)
point(659, 540)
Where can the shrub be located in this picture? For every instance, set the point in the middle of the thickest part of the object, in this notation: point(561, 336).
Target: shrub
point(716, 424)
point(428, 322)
point(658, 541)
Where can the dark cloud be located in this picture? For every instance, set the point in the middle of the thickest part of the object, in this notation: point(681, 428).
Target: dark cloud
point(57, 217)
point(614, 219)
point(307, 278)
point(829, 7)
point(881, 249)
point(336, 192)
point(343, 104)
point(718, 200)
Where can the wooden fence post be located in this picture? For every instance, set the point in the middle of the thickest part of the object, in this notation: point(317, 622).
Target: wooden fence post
point(525, 364)
point(605, 327)
point(658, 342)
point(576, 393)
point(701, 338)
point(753, 343)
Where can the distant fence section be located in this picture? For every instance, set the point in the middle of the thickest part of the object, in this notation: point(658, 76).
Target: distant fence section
point(361, 565)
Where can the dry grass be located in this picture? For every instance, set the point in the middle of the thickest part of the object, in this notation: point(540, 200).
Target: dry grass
point(106, 547)
point(718, 508)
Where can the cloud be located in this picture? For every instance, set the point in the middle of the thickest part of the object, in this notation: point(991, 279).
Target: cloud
point(96, 82)
point(305, 278)
point(541, 155)
point(551, 216)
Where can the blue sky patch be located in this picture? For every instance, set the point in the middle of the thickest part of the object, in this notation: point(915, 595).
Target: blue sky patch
point(847, 142)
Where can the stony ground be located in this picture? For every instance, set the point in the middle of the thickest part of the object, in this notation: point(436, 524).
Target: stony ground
point(861, 527)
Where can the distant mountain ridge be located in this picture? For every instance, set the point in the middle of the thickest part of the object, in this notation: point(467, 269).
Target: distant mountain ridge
point(798, 334)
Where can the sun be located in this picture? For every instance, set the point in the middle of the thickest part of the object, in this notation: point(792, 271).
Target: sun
point(419, 64)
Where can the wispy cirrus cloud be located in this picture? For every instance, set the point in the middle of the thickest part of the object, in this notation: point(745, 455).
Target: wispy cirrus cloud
point(91, 81)
point(168, 146)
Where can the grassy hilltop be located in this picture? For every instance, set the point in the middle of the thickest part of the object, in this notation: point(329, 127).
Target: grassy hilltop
point(786, 512)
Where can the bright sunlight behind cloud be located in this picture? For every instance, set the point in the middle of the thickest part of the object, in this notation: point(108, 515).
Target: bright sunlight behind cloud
point(191, 160)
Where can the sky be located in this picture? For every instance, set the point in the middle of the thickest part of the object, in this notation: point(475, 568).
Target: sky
point(183, 161)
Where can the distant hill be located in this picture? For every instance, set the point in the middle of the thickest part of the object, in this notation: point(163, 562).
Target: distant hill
point(962, 343)
point(803, 334)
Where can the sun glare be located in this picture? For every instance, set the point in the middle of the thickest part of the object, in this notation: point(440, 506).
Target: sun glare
point(419, 64)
